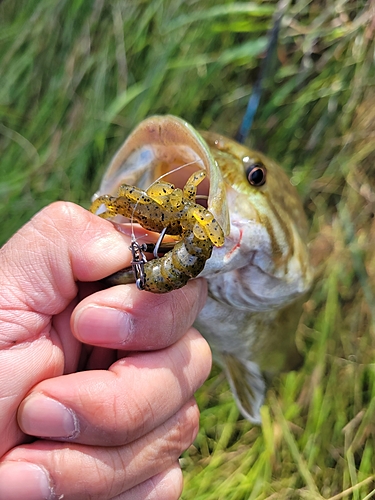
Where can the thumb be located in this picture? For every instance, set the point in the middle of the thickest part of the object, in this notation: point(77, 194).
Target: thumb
point(41, 263)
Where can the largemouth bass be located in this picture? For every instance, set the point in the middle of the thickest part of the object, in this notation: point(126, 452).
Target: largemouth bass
point(259, 276)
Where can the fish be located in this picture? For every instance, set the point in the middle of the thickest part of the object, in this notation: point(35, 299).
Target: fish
point(259, 278)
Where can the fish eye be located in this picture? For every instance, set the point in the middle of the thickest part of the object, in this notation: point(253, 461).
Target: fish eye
point(256, 174)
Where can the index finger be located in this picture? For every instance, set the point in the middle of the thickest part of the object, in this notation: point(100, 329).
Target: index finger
point(126, 318)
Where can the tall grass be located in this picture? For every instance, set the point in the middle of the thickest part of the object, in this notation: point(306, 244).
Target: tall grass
point(77, 76)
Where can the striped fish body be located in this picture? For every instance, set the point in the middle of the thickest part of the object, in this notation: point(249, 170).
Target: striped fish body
point(259, 279)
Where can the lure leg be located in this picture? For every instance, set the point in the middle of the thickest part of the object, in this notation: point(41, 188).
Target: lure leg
point(190, 189)
point(105, 206)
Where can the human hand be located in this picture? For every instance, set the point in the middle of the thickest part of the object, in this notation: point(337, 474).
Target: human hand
point(114, 418)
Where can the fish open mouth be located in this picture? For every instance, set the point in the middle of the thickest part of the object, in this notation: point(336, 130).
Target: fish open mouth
point(167, 148)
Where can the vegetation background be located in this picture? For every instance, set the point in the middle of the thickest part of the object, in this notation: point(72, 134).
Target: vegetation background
point(78, 75)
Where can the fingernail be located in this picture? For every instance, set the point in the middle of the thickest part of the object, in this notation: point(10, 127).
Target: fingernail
point(102, 325)
point(23, 480)
point(41, 416)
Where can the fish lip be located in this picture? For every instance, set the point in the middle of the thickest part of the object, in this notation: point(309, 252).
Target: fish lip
point(233, 254)
point(237, 244)
point(238, 251)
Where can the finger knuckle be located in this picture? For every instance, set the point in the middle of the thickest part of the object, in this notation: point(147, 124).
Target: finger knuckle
point(171, 486)
point(184, 430)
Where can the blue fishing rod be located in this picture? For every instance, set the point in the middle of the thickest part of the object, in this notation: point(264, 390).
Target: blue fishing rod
point(258, 87)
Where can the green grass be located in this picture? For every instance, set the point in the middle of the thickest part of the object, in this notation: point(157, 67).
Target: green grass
point(77, 76)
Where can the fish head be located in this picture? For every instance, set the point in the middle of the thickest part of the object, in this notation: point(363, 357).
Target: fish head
point(264, 262)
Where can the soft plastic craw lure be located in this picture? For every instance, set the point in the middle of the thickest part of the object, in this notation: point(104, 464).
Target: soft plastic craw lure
point(167, 210)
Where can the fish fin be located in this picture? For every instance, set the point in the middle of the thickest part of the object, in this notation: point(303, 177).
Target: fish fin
point(247, 384)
